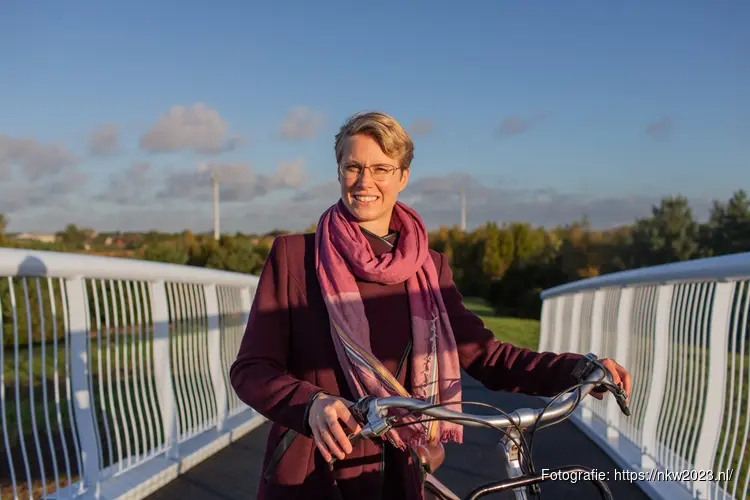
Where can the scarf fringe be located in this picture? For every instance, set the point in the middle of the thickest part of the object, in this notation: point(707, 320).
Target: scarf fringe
point(450, 435)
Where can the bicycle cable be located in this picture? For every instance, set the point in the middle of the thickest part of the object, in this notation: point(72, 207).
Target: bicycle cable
point(523, 446)
point(536, 426)
point(526, 447)
point(527, 466)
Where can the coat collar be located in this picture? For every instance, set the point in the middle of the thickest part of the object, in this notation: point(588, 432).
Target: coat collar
point(381, 244)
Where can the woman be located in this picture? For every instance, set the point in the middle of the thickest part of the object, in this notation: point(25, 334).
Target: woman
point(363, 306)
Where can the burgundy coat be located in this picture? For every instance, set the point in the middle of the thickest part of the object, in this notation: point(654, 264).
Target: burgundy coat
point(287, 355)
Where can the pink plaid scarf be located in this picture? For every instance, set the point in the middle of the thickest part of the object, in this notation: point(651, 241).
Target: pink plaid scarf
point(343, 253)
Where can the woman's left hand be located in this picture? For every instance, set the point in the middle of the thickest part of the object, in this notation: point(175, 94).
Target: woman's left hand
point(620, 376)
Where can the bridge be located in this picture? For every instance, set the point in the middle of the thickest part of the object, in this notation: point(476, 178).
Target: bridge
point(115, 382)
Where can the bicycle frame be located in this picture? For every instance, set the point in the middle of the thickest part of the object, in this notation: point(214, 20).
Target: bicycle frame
point(512, 460)
point(516, 481)
point(525, 418)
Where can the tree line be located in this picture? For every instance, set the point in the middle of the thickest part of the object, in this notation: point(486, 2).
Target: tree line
point(512, 264)
point(508, 265)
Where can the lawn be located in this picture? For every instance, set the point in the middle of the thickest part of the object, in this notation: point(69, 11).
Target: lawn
point(519, 332)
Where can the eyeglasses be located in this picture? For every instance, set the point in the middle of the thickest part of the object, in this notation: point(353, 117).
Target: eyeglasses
point(378, 172)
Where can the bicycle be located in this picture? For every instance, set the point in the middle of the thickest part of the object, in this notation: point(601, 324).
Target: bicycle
point(522, 476)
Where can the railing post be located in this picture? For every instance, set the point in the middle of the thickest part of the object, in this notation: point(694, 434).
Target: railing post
point(658, 377)
point(214, 354)
point(544, 337)
point(559, 325)
point(597, 316)
point(246, 301)
point(83, 402)
point(622, 345)
point(575, 323)
point(718, 333)
point(163, 367)
point(597, 321)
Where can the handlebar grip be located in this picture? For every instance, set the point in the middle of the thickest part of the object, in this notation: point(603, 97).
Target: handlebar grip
point(359, 412)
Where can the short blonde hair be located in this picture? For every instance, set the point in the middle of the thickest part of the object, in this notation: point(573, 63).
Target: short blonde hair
point(384, 129)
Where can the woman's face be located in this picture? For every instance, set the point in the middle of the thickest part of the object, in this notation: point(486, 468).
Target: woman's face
point(370, 182)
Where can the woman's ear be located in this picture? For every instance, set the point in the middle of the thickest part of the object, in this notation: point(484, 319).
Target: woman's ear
point(404, 179)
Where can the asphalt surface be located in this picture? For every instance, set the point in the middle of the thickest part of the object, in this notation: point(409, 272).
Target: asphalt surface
point(234, 472)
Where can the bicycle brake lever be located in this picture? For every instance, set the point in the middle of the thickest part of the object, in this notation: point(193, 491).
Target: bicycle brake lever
point(621, 398)
point(353, 438)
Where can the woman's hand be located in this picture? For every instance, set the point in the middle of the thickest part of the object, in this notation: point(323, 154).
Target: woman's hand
point(620, 376)
point(330, 438)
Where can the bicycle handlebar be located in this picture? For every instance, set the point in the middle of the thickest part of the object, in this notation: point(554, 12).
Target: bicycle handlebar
point(373, 414)
point(378, 423)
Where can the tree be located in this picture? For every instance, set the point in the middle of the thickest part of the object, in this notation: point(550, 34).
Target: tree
point(166, 252)
point(527, 242)
point(74, 237)
point(669, 235)
point(498, 251)
point(728, 230)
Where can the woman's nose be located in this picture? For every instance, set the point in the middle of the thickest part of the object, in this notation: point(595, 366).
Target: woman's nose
point(365, 178)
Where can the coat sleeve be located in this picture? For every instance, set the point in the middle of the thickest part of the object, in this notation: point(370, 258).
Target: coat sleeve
point(497, 365)
point(259, 375)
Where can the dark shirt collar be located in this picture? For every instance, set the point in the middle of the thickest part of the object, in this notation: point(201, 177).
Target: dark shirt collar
point(381, 244)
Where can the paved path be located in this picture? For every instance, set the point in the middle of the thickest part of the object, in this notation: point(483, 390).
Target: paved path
point(234, 472)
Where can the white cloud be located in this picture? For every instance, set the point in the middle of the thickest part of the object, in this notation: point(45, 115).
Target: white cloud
point(47, 195)
point(105, 140)
point(195, 128)
point(437, 199)
point(325, 191)
point(514, 124)
point(421, 127)
point(35, 160)
point(130, 186)
point(237, 181)
point(301, 123)
point(258, 202)
point(660, 129)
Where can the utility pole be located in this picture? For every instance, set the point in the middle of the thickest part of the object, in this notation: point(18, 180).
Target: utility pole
point(215, 183)
point(463, 210)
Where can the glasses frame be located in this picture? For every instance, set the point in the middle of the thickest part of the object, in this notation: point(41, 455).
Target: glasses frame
point(392, 170)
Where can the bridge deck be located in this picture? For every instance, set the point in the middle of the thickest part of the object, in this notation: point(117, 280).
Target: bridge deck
point(234, 472)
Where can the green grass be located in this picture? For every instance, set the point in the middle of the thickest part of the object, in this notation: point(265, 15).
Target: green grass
point(519, 332)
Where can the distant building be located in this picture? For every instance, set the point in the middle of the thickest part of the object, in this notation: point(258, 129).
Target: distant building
point(44, 238)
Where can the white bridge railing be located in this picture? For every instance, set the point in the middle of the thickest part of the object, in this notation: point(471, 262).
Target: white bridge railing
point(682, 330)
point(114, 372)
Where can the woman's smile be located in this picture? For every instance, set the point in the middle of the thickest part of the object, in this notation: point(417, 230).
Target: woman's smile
point(363, 199)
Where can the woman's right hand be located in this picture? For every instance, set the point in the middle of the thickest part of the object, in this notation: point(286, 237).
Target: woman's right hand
point(323, 418)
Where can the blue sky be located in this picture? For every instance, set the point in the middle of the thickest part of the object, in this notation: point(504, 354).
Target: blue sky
point(605, 108)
